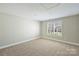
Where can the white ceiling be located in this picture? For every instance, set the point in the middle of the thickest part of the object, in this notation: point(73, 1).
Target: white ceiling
point(41, 12)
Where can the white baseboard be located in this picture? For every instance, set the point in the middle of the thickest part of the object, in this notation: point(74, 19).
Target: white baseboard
point(12, 44)
point(66, 42)
point(71, 43)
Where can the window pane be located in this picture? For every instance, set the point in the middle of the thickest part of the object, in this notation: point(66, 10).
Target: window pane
point(55, 26)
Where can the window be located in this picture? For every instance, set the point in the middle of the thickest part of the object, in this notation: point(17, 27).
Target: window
point(55, 27)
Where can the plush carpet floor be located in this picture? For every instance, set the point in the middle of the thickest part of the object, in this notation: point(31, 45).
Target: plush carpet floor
point(41, 47)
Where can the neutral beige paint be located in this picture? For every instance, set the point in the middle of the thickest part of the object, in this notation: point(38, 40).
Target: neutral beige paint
point(70, 29)
point(16, 29)
point(78, 29)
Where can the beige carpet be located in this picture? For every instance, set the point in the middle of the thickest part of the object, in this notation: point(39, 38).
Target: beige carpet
point(40, 47)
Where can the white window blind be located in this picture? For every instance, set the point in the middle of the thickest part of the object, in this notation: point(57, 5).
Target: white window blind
point(54, 27)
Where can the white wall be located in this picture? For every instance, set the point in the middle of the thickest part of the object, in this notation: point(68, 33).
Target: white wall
point(16, 29)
